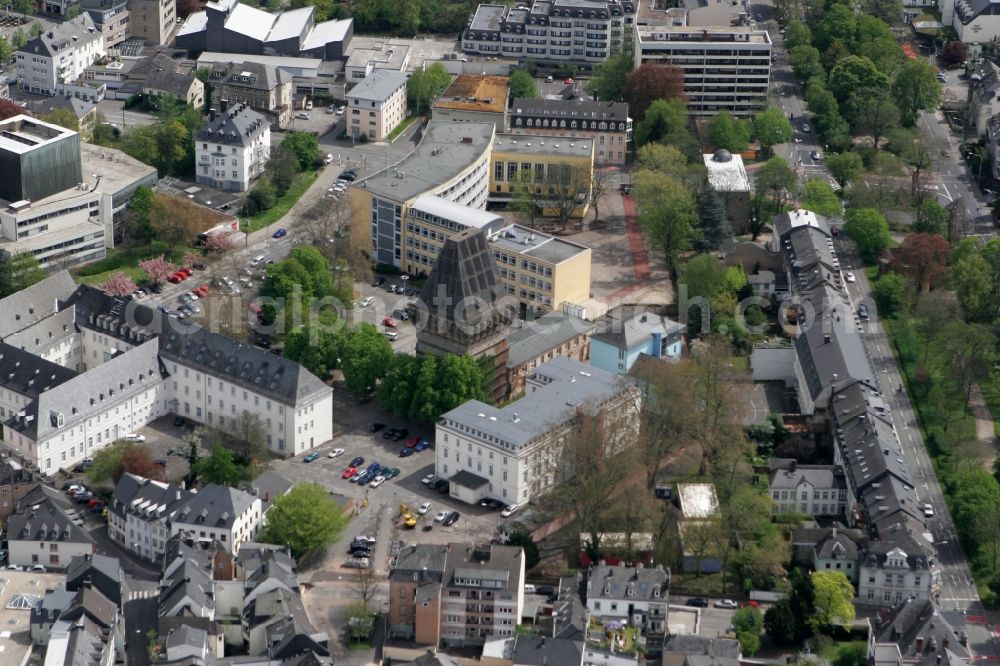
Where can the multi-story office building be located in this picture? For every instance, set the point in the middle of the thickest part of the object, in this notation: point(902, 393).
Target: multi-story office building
point(724, 68)
point(540, 270)
point(558, 170)
point(153, 20)
point(607, 123)
point(263, 87)
point(232, 149)
point(51, 202)
point(52, 62)
point(452, 162)
point(456, 594)
point(582, 32)
point(111, 17)
point(377, 104)
point(515, 453)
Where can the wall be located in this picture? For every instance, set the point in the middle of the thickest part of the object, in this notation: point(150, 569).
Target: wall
point(27, 553)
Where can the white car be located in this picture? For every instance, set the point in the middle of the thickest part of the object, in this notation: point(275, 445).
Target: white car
point(302, 115)
point(726, 603)
point(366, 301)
point(805, 127)
point(429, 479)
point(928, 511)
point(335, 453)
point(510, 511)
point(367, 539)
point(37, 567)
point(135, 438)
point(14, 567)
point(441, 515)
point(257, 261)
point(850, 277)
point(340, 110)
point(377, 481)
point(328, 159)
point(424, 508)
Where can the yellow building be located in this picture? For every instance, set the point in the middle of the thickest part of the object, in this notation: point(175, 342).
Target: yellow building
point(558, 168)
point(543, 272)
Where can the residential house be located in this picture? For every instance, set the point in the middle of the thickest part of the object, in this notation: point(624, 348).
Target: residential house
point(511, 453)
point(975, 23)
point(534, 342)
point(139, 514)
point(362, 61)
point(895, 569)
point(539, 33)
point(84, 110)
point(166, 76)
point(47, 529)
point(636, 595)
point(263, 87)
point(620, 337)
point(681, 646)
point(834, 548)
point(607, 123)
point(376, 105)
point(915, 633)
point(61, 608)
point(268, 486)
point(456, 595)
point(15, 480)
point(219, 514)
point(101, 572)
point(474, 98)
point(818, 490)
point(527, 650)
point(232, 149)
point(53, 62)
point(111, 17)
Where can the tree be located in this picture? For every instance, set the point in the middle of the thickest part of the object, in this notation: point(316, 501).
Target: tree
point(72, 12)
point(729, 132)
point(567, 191)
point(530, 548)
point(282, 167)
point(120, 458)
point(527, 196)
point(971, 350)
point(5, 50)
point(873, 113)
point(246, 436)
point(665, 118)
point(19, 271)
point(870, 231)
point(797, 34)
point(36, 29)
point(9, 108)
point(923, 258)
point(219, 243)
point(891, 291)
point(972, 279)
point(422, 88)
point(888, 11)
point(833, 594)
point(186, 7)
point(837, 25)
point(119, 284)
point(916, 89)
point(600, 183)
point(772, 127)
point(220, 468)
point(776, 177)
point(158, 268)
point(748, 623)
point(855, 73)
point(650, 82)
point(367, 354)
point(459, 379)
point(305, 519)
point(851, 654)
point(932, 217)
point(805, 61)
point(522, 85)
point(20, 37)
point(610, 77)
point(63, 117)
point(843, 166)
point(666, 214)
point(305, 147)
point(954, 52)
point(714, 228)
point(671, 162)
point(820, 198)
point(779, 622)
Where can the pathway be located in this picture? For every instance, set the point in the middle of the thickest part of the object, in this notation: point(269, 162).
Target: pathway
point(636, 244)
point(985, 428)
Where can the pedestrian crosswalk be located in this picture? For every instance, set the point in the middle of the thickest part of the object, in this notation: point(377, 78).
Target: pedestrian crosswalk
point(140, 594)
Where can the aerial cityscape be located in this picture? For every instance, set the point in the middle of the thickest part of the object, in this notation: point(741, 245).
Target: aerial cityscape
point(543, 333)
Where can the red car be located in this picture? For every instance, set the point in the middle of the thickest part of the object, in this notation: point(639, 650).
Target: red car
point(202, 291)
point(175, 278)
point(185, 271)
point(413, 442)
point(389, 322)
point(349, 472)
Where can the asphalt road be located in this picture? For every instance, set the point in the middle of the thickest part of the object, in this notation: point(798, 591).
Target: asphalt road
point(958, 599)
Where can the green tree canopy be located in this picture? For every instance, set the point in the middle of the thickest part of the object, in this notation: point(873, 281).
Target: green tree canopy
point(714, 228)
point(422, 88)
point(833, 594)
point(305, 146)
point(19, 271)
point(844, 166)
point(63, 117)
point(666, 213)
point(729, 132)
point(797, 34)
point(916, 89)
point(522, 84)
point(772, 127)
point(610, 76)
point(220, 468)
point(805, 60)
point(367, 355)
point(665, 118)
point(305, 519)
point(891, 292)
point(855, 73)
point(820, 198)
point(870, 231)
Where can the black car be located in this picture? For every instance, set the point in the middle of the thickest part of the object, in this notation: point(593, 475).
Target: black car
point(547, 590)
point(389, 434)
point(178, 422)
point(451, 519)
point(379, 281)
point(375, 427)
point(698, 602)
point(355, 545)
point(361, 552)
point(348, 175)
point(357, 462)
point(863, 311)
point(400, 434)
point(83, 498)
point(491, 504)
point(444, 488)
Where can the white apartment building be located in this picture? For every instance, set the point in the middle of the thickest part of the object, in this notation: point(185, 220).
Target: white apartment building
point(133, 366)
point(818, 490)
point(724, 67)
point(45, 530)
point(607, 123)
point(514, 453)
point(888, 574)
point(583, 32)
point(139, 514)
point(219, 513)
point(636, 595)
point(232, 149)
point(52, 62)
point(377, 104)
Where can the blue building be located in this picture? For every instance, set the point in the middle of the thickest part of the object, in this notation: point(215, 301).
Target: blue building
point(619, 341)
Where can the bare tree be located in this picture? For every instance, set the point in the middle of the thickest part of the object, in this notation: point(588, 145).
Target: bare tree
point(366, 585)
point(327, 225)
point(701, 540)
point(599, 184)
point(526, 196)
point(568, 189)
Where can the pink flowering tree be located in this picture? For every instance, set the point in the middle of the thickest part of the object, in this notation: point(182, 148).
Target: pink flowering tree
point(219, 243)
point(119, 284)
point(190, 259)
point(158, 268)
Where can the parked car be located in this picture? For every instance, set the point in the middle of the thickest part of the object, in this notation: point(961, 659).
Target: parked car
point(424, 508)
point(444, 488)
point(365, 538)
point(379, 281)
point(726, 603)
point(357, 462)
point(375, 427)
point(391, 336)
point(350, 175)
point(135, 438)
point(335, 453)
point(389, 322)
point(451, 519)
point(311, 457)
point(429, 479)
point(302, 115)
point(510, 511)
point(698, 602)
point(850, 277)
point(928, 511)
point(341, 110)
point(816, 155)
point(280, 233)
point(405, 453)
point(390, 473)
point(330, 109)
point(349, 472)
point(413, 442)
point(399, 434)
point(441, 515)
point(358, 563)
point(366, 301)
point(422, 445)
point(377, 481)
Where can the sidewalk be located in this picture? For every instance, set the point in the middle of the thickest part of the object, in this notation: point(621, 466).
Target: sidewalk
point(985, 427)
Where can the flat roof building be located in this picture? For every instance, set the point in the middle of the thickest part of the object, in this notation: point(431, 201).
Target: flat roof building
point(377, 105)
point(607, 123)
point(474, 98)
point(724, 67)
point(560, 170)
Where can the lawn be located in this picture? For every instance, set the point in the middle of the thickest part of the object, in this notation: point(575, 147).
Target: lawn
point(126, 261)
point(283, 204)
point(401, 127)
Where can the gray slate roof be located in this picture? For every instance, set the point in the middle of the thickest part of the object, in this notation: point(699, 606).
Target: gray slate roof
point(30, 375)
point(615, 582)
point(145, 497)
point(59, 38)
point(563, 108)
point(33, 304)
point(428, 561)
point(249, 74)
point(104, 573)
point(915, 619)
point(47, 333)
point(786, 474)
point(213, 506)
point(238, 126)
point(570, 385)
point(44, 514)
point(267, 486)
point(697, 645)
point(378, 86)
point(542, 651)
point(636, 330)
point(167, 75)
